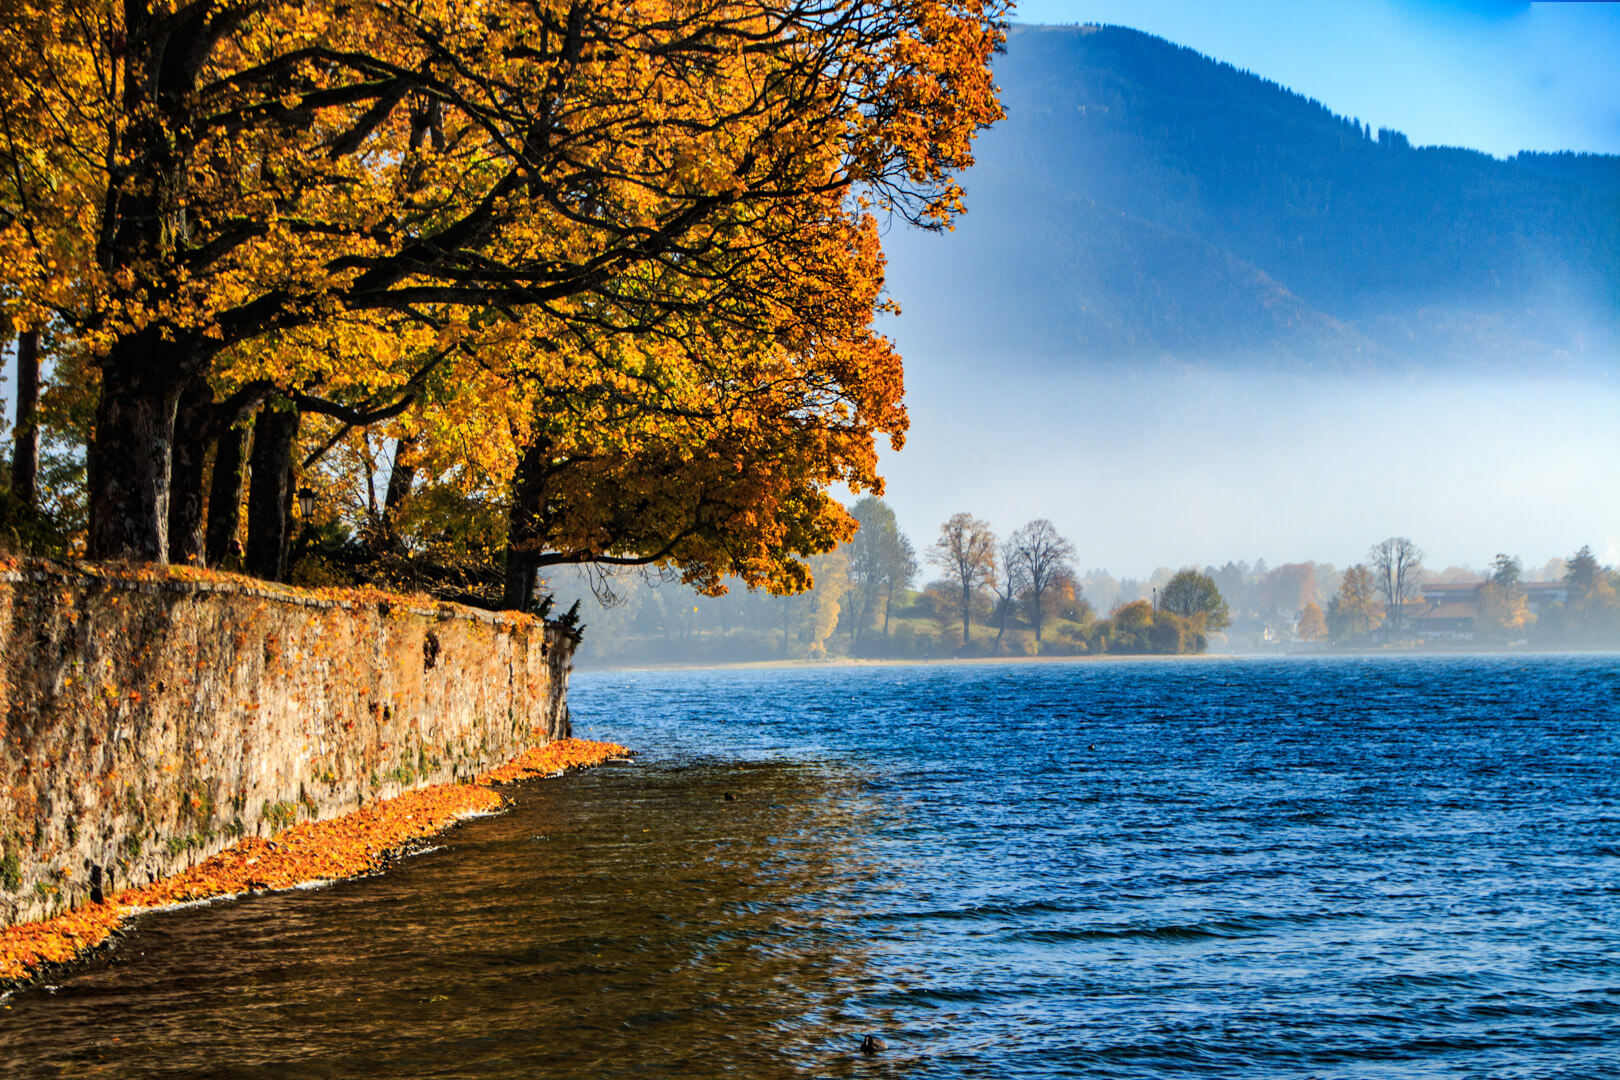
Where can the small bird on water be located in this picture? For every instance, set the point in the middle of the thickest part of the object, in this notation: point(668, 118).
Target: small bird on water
point(871, 1044)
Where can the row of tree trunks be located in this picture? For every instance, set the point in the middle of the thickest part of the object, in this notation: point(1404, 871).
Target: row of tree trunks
point(198, 509)
point(199, 515)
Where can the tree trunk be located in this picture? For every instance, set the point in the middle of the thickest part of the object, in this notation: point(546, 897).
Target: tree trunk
point(400, 478)
point(192, 422)
point(523, 528)
point(270, 492)
point(518, 593)
point(225, 496)
point(129, 461)
point(25, 452)
point(967, 601)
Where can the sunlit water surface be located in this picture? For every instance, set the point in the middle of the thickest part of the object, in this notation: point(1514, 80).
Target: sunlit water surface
point(1259, 869)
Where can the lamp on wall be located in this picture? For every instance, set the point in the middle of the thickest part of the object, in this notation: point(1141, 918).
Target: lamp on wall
point(306, 501)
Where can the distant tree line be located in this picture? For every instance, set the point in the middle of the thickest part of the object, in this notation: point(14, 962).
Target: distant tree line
point(1022, 595)
point(1014, 596)
point(1375, 601)
point(1028, 580)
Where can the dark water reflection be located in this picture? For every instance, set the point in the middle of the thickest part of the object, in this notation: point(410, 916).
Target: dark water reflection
point(1356, 869)
point(632, 921)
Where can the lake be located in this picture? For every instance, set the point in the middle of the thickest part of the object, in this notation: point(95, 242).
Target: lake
point(1336, 867)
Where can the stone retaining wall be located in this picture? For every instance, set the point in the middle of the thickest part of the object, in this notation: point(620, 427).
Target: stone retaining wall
point(148, 720)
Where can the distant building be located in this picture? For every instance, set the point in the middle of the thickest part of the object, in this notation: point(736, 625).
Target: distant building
point(1443, 620)
point(1537, 594)
point(1446, 612)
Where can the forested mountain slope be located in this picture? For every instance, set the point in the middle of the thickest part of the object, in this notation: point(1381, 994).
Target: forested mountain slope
point(1141, 201)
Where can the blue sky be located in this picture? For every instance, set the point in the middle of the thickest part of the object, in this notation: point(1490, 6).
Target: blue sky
point(1494, 75)
point(1283, 468)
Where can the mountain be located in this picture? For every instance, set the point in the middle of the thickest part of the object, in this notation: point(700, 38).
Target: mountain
point(1143, 202)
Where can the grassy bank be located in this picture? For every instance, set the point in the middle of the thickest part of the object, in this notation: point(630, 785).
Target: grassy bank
point(354, 844)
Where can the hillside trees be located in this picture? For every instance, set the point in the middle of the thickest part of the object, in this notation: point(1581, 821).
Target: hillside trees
point(1289, 587)
point(1137, 628)
point(905, 570)
point(573, 252)
point(812, 615)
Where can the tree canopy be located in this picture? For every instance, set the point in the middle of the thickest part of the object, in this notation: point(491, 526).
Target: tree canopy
point(882, 562)
point(611, 265)
point(1043, 557)
point(1194, 596)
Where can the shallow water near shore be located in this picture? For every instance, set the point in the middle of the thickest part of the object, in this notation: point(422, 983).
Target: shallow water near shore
point(1342, 867)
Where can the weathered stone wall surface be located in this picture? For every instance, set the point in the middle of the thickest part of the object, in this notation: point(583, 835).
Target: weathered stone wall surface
point(147, 721)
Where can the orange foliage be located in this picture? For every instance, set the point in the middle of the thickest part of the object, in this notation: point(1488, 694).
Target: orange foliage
point(646, 231)
point(554, 757)
point(348, 846)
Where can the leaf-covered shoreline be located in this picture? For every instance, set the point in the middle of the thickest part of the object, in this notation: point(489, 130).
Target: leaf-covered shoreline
point(352, 845)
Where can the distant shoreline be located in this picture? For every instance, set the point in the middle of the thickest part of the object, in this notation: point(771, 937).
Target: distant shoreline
point(936, 661)
point(1131, 658)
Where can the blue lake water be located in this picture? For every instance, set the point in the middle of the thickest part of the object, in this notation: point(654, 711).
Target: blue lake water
point(1263, 869)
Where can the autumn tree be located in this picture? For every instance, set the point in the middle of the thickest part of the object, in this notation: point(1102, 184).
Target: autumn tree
point(966, 553)
point(1502, 610)
point(1354, 613)
point(1396, 564)
point(810, 617)
point(1043, 556)
point(1289, 587)
point(1131, 627)
point(320, 204)
point(1194, 596)
point(1312, 625)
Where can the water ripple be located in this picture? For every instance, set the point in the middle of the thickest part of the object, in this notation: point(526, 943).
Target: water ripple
point(1365, 869)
